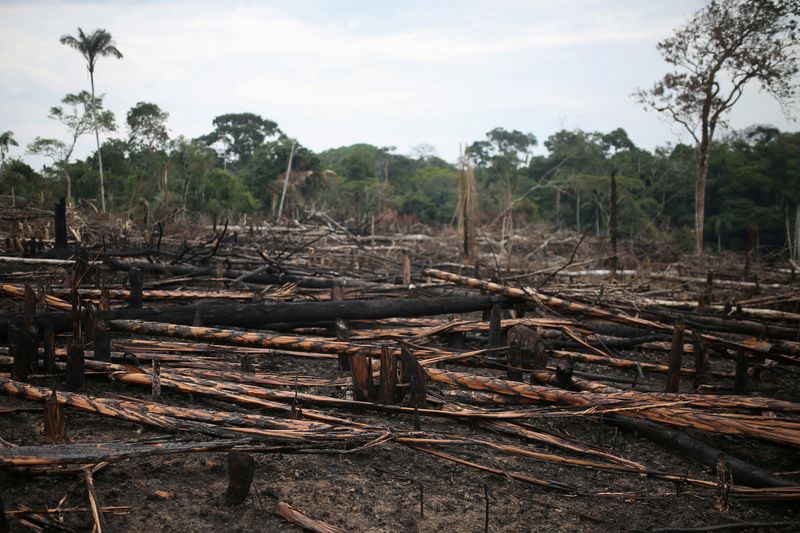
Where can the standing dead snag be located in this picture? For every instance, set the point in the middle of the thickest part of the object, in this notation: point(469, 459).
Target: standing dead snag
point(465, 211)
point(612, 230)
point(240, 476)
point(60, 224)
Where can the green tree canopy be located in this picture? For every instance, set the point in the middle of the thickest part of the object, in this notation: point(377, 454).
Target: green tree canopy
point(239, 134)
point(147, 125)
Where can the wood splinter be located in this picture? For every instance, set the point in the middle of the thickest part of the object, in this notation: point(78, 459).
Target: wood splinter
point(289, 513)
point(54, 424)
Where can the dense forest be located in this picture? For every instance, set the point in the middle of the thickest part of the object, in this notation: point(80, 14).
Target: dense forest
point(238, 170)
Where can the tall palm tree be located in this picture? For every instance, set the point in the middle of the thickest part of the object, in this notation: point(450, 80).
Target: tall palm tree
point(93, 46)
point(6, 140)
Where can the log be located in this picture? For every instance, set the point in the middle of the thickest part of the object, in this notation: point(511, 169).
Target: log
point(268, 277)
point(765, 428)
point(82, 453)
point(202, 421)
point(263, 314)
point(744, 473)
point(560, 304)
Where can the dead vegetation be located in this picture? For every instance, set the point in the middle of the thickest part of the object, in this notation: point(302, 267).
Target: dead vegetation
point(333, 378)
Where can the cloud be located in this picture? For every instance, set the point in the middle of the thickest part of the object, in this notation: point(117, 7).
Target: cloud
point(332, 73)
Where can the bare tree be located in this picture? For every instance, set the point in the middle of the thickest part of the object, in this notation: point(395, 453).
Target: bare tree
point(722, 48)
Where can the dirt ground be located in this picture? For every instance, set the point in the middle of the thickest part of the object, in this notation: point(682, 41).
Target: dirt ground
point(382, 489)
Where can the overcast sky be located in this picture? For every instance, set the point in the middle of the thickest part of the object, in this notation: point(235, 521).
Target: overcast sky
point(333, 73)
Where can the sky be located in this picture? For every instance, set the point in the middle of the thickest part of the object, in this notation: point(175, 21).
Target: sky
point(333, 73)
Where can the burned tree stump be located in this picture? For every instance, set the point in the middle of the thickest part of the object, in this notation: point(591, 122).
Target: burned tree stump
point(76, 381)
point(564, 375)
point(240, 476)
point(102, 341)
point(415, 376)
point(495, 329)
point(135, 281)
point(361, 367)
point(514, 361)
point(388, 383)
point(532, 354)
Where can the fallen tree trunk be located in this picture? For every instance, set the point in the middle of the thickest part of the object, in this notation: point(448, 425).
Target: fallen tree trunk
point(744, 473)
point(560, 304)
point(82, 453)
point(626, 403)
point(263, 314)
point(269, 276)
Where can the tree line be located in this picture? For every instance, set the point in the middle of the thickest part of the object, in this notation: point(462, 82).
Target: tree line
point(717, 190)
point(239, 168)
